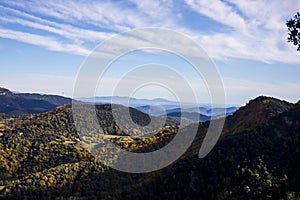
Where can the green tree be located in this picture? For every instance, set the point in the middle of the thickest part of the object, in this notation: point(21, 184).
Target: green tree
point(294, 30)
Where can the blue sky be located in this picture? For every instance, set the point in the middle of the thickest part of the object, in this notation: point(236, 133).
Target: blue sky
point(44, 43)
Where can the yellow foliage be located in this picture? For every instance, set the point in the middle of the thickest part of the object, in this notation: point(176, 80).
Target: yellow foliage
point(135, 131)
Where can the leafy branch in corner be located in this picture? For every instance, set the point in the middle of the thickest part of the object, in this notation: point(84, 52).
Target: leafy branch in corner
point(294, 30)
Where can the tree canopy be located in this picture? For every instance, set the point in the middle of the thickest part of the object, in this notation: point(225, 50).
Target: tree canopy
point(294, 30)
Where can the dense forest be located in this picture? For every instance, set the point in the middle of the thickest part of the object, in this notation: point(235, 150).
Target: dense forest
point(42, 156)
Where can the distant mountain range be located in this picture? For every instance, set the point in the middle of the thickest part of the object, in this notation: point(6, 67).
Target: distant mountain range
point(135, 102)
point(160, 107)
point(132, 102)
point(15, 102)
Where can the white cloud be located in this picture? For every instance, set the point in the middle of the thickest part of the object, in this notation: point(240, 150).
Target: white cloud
point(44, 41)
point(218, 11)
point(159, 11)
point(62, 30)
point(71, 21)
point(255, 29)
point(258, 32)
point(104, 14)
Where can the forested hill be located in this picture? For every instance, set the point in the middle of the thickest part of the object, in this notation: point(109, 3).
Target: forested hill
point(256, 158)
point(257, 112)
point(256, 163)
point(60, 121)
point(29, 103)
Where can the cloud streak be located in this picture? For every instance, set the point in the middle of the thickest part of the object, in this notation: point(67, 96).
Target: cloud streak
point(47, 42)
point(248, 29)
point(257, 29)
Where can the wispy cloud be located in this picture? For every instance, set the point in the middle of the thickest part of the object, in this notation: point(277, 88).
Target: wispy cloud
point(253, 29)
point(74, 23)
point(44, 41)
point(257, 29)
point(219, 11)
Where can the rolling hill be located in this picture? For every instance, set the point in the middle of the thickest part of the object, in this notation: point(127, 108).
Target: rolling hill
point(257, 112)
point(253, 163)
point(255, 158)
point(194, 116)
point(29, 103)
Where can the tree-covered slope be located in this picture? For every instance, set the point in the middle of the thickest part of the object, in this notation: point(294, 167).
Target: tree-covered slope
point(29, 103)
point(259, 163)
point(42, 157)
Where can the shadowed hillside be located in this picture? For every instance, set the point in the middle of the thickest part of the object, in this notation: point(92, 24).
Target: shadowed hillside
point(29, 103)
point(255, 113)
point(254, 159)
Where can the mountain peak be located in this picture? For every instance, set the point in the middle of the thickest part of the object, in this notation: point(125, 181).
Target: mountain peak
point(264, 100)
point(255, 113)
point(270, 106)
point(4, 91)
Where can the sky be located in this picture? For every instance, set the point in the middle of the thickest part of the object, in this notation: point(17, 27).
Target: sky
point(44, 44)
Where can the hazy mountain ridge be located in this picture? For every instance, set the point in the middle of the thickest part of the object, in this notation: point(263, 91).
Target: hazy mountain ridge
point(27, 103)
point(190, 115)
point(160, 106)
point(126, 101)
